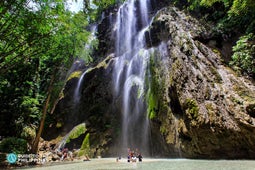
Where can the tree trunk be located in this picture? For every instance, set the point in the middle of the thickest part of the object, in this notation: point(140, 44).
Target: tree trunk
point(45, 108)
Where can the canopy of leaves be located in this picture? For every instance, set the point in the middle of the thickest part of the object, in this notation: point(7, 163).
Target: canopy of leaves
point(229, 14)
point(103, 4)
point(38, 39)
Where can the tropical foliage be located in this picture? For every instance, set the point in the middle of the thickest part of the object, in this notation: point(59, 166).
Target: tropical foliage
point(244, 54)
point(38, 42)
point(13, 145)
point(226, 13)
point(40, 39)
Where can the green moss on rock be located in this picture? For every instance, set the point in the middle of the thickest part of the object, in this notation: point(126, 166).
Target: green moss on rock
point(175, 68)
point(211, 112)
point(59, 124)
point(85, 147)
point(191, 108)
point(154, 86)
point(152, 104)
point(214, 71)
point(76, 74)
point(76, 132)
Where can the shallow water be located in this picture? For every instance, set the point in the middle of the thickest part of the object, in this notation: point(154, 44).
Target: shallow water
point(151, 164)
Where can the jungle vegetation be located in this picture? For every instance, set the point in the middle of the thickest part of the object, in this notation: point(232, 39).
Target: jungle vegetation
point(40, 39)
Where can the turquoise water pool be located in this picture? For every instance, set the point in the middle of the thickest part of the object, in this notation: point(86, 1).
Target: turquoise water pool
point(151, 164)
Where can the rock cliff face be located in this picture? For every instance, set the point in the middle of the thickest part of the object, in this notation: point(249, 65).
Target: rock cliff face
point(203, 109)
point(94, 108)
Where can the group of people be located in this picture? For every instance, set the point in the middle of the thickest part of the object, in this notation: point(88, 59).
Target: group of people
point(134, 155)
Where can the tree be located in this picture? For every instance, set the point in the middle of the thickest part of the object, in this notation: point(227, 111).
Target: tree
point(38, 43)
point(45, 108)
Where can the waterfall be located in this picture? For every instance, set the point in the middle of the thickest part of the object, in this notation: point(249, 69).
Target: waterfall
point(77, 93)
point(88, 48)
point(130, 73)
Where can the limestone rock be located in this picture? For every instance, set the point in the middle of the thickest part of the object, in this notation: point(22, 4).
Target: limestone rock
point(94, 108)
point(211, 109)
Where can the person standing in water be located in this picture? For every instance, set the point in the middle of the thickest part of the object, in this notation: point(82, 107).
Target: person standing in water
point(139, 156)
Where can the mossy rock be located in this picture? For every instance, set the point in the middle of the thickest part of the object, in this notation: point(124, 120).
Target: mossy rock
point(211, 112)
point(76, 132)
point(218, 78)
point(152, 105)
point(191, 108)
point(85, 147)
point(76, 74)
point(59, 124)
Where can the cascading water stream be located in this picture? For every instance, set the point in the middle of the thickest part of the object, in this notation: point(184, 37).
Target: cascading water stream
point(130, 73)
point(88, 48)
point(77, 93)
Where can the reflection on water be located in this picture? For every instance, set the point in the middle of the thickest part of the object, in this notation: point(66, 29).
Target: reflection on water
point(153, 164)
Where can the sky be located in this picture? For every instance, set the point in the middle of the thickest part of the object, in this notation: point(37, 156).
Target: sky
point(75, 6)
point(72, 5)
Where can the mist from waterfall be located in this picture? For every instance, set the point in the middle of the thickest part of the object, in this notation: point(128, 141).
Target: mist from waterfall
point(130, 74)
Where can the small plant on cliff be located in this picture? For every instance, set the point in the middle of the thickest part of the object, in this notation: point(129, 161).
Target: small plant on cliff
point(244, 54)
point(191, 108)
